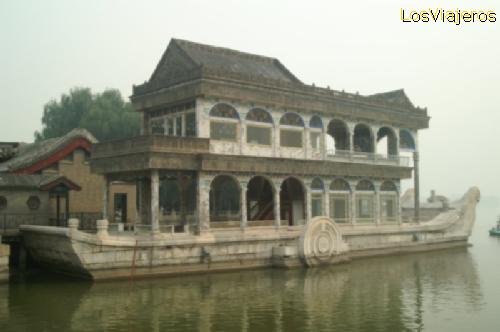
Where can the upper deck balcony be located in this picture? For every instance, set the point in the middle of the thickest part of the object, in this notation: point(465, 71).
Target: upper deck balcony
point(151, 144)
point(192, 146)
point(367, 158)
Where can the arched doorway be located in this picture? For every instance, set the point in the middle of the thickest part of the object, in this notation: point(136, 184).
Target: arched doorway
point(387, 144)
point(292, 201)
point(260, 201)
point(337, 138)
point(224, 199)
point(363, 139)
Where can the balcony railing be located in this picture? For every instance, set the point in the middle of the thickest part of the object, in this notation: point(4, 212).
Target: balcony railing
point(151, 143)
point(367, 157)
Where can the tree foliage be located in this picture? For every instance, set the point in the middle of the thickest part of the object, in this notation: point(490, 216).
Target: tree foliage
point(106, 115)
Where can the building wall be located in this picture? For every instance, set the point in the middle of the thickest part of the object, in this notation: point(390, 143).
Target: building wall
point(130, 191)
point(17, 201)
point(90, 198)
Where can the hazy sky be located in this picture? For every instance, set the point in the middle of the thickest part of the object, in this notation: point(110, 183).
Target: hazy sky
point(48, 47)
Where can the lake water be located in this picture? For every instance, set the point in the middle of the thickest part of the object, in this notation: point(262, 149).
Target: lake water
point(447, 290)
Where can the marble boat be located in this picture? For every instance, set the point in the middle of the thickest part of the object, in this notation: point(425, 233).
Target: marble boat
point(241, 165)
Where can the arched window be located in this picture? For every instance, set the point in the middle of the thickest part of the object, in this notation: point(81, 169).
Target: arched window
point(338, 137)
point(316, 122)
point(340, 185)
point(365, 202)
point(339, 200)
point(317, 189)
point(259, 127)
point(292, 198)
point(259, 115)
point(291, 119)
point(224, 199)
point(388, 186)
point(388, 202)
point(260, 201)
point(317, 185)
point(224, 111)
point(224, 123)
point(363, 139)
point(364, 185)
point(289, 136)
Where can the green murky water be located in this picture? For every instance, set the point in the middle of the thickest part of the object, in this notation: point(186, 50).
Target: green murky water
point(449, 290)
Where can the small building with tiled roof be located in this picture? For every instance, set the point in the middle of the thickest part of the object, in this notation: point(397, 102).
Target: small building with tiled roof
point(56, 172)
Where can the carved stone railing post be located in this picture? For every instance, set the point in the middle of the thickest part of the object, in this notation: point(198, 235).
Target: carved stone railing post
point(73, 224)
point(102, 228)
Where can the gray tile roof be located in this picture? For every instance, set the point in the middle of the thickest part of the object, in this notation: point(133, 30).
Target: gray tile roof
point(398, 97)
point(185, 61)
point(28, 154)
point(33, 181)
point(235, 61)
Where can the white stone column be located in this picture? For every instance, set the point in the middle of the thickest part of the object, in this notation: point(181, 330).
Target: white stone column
point(352, 202)
point(324, 137)
point(276, 201)
point(183, 126)
point(276, 129)
point(374, 130)
point(165, 126)
point(105, 199)
point(376, 203)
point(307, 142)
point(323, 143)
point(326, 202)
point(155, 202)
point(242, 135)
point(350, 127)
point(243, 204)
point(203, 203)
point(308, 203)
point(399, 212)
point(274, 134)
point(396, 133)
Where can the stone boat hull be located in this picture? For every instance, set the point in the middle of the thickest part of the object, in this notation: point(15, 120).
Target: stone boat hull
point(320, 241)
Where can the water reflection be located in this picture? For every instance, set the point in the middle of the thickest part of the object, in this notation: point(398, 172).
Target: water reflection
point(382, 294)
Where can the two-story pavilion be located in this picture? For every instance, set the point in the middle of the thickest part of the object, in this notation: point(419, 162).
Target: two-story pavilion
point(232, 139)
